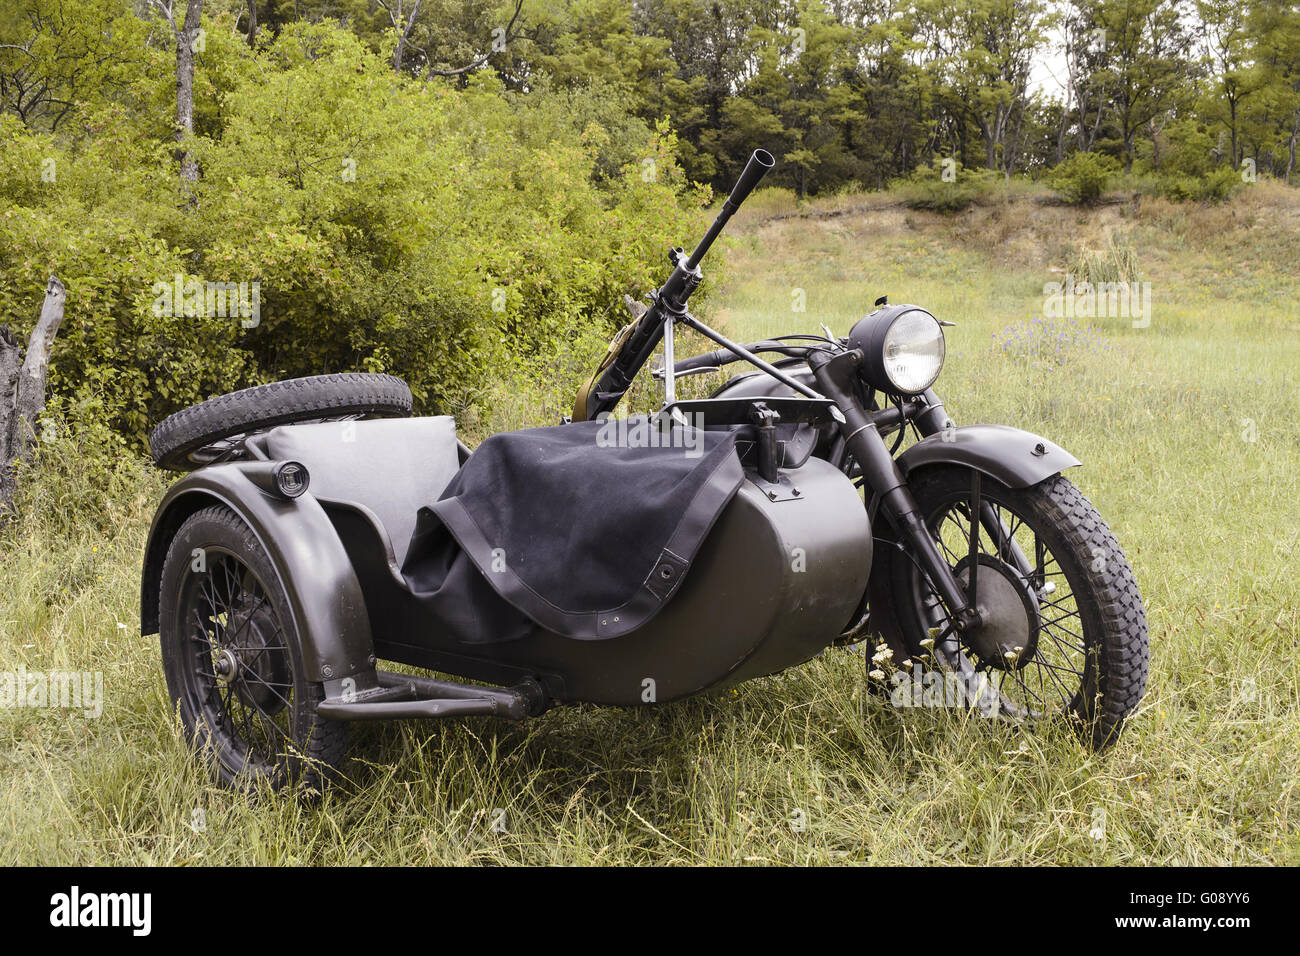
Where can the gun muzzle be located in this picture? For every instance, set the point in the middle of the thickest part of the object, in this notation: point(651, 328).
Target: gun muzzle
point(760, 163)
point(757, 167)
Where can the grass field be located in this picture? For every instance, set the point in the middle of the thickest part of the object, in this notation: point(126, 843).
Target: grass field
point(1188, 430)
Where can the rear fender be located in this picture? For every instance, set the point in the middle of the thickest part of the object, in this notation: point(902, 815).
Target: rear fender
point(310, 561)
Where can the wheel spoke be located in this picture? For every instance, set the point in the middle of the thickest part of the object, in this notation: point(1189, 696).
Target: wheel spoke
point(973, 527)
point(1061, 627)
point(229, 612)
point(1042, 666)
point(249, 672)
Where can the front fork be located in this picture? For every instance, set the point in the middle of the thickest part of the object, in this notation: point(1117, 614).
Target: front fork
point(836, 375)
point(933, 421)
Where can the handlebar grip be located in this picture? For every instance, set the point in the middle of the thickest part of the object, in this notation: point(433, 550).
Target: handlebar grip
point(721, 357)
point(760, 163)
point(708, 360)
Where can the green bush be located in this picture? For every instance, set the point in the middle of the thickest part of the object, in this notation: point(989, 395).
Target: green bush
point(1083, 177)
point(926, 188)
point(1188, 149)
point(82, 474)
point(1215, 186)
point(439, 233)
point(103, 221)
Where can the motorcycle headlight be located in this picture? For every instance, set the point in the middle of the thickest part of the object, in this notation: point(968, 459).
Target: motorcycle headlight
point(902, 348)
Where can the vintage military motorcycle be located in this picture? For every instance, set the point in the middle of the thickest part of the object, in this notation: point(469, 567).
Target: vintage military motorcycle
point(825, 497)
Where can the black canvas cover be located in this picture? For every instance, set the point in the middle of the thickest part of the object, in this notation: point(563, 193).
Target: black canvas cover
point(585, 529)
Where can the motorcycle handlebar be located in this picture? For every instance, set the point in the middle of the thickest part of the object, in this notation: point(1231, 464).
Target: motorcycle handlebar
point(721, 357)
point(707, 360)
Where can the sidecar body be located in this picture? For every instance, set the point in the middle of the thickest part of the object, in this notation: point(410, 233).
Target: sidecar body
point(770, 577)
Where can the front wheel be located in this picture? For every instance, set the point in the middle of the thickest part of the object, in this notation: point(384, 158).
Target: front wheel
point(1064, 632)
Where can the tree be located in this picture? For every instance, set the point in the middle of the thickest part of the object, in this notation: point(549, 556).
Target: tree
point(1145, 63)
point(1227, 49)
point(988, 48)
point(55, 53)
point(403, 21)
point(452, 38)
point(187, 35)
point(22, 387)
point(1273, 121)
point(1084, 50)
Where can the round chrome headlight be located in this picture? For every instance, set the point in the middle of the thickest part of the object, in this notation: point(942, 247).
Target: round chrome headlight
point(913, 351)
point(902, 348)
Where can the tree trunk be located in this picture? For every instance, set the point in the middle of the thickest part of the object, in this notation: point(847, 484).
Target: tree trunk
point(403, 33)
point(185, 37)
point(252, 23)
point(1232, 113)
point(22, 388)
point(1295, 134)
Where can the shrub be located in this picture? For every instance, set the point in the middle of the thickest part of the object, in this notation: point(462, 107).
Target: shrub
point(927, 189)
point(1215, 186)
point(439, 233)
point(1083, 177)
point(82, 474)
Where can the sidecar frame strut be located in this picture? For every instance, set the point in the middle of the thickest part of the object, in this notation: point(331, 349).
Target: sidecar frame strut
point(398, 696)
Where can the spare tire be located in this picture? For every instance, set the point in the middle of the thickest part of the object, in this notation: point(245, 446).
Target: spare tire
point(178, 440)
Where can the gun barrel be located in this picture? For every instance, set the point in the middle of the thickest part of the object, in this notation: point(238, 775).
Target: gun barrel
point(758, 166)
point(610, 383)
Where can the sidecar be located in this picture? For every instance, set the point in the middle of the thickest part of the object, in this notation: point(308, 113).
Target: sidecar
point(377, 534)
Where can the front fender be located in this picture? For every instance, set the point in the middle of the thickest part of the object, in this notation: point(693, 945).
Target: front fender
point(1014, 457)
point(311, 564)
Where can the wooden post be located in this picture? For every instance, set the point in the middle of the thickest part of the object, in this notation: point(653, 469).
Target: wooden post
point(22, 387)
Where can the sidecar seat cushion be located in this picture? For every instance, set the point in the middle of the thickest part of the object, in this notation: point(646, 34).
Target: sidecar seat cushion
point(584, 529)
point(390, 467)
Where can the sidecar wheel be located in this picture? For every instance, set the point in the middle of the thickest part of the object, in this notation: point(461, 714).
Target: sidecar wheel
point(210, 431)
point(233, 663)
point(1078, 615)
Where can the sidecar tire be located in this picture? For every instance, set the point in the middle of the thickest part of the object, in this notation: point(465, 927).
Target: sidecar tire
point(312, 748)
point(315, 397)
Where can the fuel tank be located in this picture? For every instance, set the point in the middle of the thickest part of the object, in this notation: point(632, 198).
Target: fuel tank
point(780, 576)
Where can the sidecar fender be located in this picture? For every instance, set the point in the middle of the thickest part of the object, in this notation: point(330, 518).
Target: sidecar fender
point(310, 561)
point(1014, 457)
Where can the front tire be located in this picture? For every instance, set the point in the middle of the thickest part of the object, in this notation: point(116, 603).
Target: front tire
point(1090, 654)
point(233, 662)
